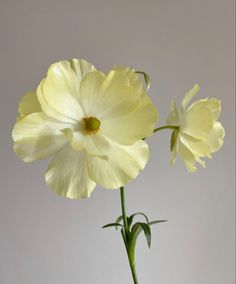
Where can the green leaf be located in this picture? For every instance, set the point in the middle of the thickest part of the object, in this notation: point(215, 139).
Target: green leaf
point(147, 233)
point(112, 225)
point(119, 219)
point(137, 228)
point(156, 222)
point(130, 219)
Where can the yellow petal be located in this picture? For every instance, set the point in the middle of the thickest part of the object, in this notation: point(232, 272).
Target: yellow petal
point(134, 78)
point(212, 104)
point(134, 126)
point(126, 75)
point(216, 137)
point(76, 141)
point(37, 137)
point(198, 121)
point(206, 147)
point(67, 174)
point(81, 67)
point(199, 147)
point(201, 162)
point(186, 155)
point(90, 92)
point(29, 104)
point(173, 117)
point(189, 95)
point(194, 149)
point(123, 164)
point(109, 96)
point(97, 145)
point(200, 117)
point(58, 93)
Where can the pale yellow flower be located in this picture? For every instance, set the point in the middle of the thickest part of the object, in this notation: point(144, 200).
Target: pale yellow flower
point(92, 124)
point(199, 133)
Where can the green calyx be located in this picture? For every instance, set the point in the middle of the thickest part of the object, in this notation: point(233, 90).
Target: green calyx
point(174, 137)
point(91, 124)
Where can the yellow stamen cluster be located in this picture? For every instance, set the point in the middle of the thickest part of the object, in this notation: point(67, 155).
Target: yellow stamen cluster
point(91, 124)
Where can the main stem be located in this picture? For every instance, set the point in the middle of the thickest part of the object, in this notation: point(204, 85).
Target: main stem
point(126, 237)
point(126, 232)
point(122, 197)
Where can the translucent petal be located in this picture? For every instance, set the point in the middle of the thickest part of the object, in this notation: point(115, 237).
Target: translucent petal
point(29, 104)
point(201, 162)
point(134, 78)
point(198, 147)
point(37, 137)
point(110, 96)
point(97, 144)
point(58, 93)
point(122, 165)
point(134, 126)
point(76, 141)
point(173, 117)
point(216, 137)
point(213, 105)
point(186, 155)
point(67, 174)
point(204, 148)
point(198, 121)
point(91, 93)
point(189, 95)
point(81, 67)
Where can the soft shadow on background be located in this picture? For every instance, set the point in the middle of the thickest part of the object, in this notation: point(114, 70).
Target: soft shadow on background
point(47, 239)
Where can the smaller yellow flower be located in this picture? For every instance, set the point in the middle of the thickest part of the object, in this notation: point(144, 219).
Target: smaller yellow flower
point(199, 134)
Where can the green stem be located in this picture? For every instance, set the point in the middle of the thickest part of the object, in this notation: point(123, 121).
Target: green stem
point(126, 236)
point(133, 270)
point(166, 127)
point(122, 197)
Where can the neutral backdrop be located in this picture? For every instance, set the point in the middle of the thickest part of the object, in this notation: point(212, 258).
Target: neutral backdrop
point(48, 239)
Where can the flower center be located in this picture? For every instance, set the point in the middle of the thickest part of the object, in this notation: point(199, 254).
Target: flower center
point(91, 124)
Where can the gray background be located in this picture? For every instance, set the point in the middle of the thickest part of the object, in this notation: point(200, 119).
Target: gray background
point(47, 239)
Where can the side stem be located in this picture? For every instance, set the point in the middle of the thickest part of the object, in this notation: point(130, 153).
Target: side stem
point(166, 127)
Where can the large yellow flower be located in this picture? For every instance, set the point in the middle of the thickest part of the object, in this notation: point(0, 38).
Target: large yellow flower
point(92, 123)
point(199, 133)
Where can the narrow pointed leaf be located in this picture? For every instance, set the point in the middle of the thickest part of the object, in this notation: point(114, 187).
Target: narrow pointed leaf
point(130, 219)
point(156, 222)
point(119, 219)
point(112, 225)
point(135, 231)
point(147, 233)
